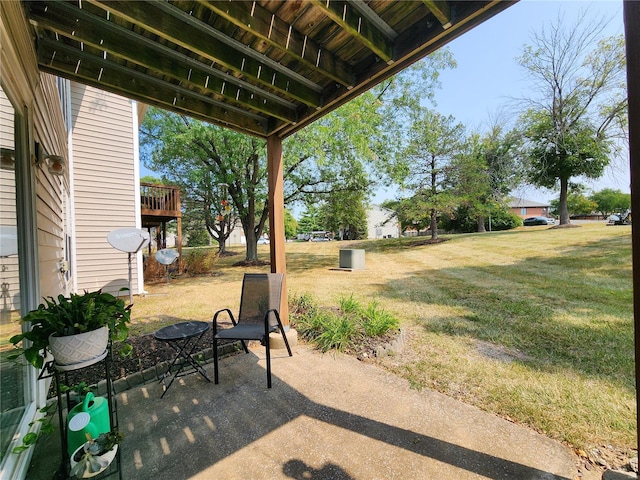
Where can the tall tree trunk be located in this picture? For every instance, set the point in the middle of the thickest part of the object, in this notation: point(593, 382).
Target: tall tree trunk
point(252, 245)
point(434, 224)
point(481, 228)
point(562, 203)
point(222, 246)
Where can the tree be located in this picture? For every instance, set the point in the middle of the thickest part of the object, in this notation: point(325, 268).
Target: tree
point(434, 141)
point(410, 212)
point(334, 154)
point(290, 225)
point(486, 172)
point(580, 106)
point(610, 201)
point(345, 214)
point(310, 221)
point(222, 174)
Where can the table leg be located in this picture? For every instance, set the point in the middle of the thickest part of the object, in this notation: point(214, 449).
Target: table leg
point(184, 351)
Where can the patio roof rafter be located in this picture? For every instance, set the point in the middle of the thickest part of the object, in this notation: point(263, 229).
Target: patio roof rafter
point(180, 28)
point(112, 40)
point(273, 31)
point(348, 17)
point(262, 67)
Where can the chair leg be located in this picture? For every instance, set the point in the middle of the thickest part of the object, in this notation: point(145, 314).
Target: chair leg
point(215, 360)
point(244, 346)
point(286, 342)
point(268, 361)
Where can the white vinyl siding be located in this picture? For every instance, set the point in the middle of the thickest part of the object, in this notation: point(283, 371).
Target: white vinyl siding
point(381, 223)
point(104, 186)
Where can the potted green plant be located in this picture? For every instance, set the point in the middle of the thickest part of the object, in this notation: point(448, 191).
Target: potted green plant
point(77, 318)
point(94, 456)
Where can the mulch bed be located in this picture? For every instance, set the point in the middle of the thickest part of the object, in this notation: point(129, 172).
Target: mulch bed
point(149, 352)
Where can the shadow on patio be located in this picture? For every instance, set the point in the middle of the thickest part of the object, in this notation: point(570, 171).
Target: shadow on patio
point(326, 417)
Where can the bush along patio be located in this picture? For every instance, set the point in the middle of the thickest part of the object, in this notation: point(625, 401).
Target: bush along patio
point(362, 330)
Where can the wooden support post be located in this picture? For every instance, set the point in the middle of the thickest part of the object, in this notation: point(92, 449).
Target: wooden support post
point(275, 169)
point(179, 232)
point(632, 34)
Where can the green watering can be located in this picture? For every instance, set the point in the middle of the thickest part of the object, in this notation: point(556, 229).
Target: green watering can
point(90, 416)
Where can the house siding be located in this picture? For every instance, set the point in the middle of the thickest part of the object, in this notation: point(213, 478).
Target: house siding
point(382, 223)
point(104, 193)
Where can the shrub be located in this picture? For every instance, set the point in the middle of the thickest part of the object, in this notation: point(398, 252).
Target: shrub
point(337, 332)
point(503, 220)
point(200, 261)
point(198, 238)
point(376, 321)
point(153, 270)
point(330, 331)
point(349, 305)
point(302, 305)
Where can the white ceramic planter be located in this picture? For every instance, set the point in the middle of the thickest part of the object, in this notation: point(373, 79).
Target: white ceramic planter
point(108, 456)
point(80, 348)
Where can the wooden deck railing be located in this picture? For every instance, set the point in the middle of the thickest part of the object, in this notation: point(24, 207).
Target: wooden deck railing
point(161, 200)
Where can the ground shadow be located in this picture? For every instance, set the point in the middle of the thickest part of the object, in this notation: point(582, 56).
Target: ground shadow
point(301, 471)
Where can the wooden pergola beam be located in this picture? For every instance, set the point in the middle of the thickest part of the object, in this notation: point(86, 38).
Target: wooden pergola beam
point(277, 239)
point(85, 68)
point(178, 27)
point(359, 26)
point(252, 18)
point(441, 10)
point(118, 42)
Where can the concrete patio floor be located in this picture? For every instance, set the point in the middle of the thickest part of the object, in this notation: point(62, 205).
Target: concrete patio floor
point(326, 417)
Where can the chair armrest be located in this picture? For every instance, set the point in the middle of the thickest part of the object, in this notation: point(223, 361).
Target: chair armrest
point(215, 319)
point(275, 311)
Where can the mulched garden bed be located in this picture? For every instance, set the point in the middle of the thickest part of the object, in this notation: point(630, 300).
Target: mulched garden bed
point(149, 352)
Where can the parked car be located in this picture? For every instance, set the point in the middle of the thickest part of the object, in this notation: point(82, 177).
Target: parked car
point(551, 221)
point(263, 241)
point(537, 221)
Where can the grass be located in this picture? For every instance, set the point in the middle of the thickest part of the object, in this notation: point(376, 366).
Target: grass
point(535, 325)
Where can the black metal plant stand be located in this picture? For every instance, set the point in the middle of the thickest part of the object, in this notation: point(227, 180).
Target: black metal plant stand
point(61, 373)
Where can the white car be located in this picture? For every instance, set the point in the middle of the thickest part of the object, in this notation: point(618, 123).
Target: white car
point(263, 241)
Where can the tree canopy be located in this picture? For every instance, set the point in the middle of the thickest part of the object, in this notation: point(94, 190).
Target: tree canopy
point(425, 167)
point(610, 201)
point(578, 104)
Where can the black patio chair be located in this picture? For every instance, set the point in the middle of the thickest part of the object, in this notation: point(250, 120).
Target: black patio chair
point(259, 316)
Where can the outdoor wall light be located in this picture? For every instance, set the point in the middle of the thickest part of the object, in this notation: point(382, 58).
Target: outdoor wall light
point(55, 164)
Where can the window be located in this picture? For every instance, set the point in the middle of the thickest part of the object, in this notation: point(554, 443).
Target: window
point(14, 377)
point(523, 211)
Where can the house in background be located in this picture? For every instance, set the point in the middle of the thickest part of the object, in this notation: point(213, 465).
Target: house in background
point(528, 208)
point(382, 223)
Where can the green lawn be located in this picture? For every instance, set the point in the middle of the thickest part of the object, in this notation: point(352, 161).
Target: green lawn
point(535, 325)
